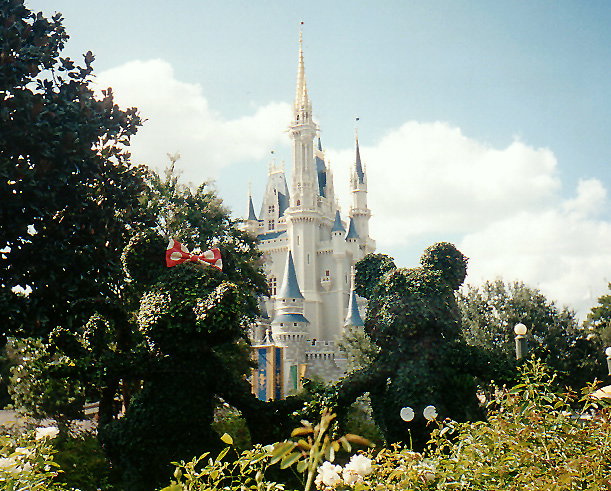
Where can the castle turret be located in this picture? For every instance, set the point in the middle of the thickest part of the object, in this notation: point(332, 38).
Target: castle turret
point(289, 325)
point(359, 211)
point(251, 224)
point(353, 317)
point(302, 131)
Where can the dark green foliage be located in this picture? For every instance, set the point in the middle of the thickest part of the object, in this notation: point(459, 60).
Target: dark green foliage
point(448, 260)
point(599, 318)
point(193, 321)
point(43, 382)
point(68, 196)
point(490, 312)
point(228, 420)
point(414, 320)
point(83, 463)
point(370, 271)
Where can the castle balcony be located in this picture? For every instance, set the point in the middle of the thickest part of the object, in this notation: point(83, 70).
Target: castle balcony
point(326, 281)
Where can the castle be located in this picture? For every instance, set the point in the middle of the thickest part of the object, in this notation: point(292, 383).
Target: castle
point(309, 251)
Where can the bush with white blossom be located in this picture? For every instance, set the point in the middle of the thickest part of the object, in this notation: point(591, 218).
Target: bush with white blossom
point(335, 477)
point(26, 461)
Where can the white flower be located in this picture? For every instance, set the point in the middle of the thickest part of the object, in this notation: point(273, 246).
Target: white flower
point(407, 414)
point(359, 464)
point(24, 451)
point(350, 476)
point(48, 432)
point(328, 475)
point(7, 463)
point(430, 413)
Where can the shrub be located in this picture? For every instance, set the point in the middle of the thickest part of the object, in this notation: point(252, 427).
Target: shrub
point(27, 461)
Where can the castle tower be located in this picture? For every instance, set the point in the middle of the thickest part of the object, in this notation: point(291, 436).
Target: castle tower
point(304, 214)
point(353, 318)
point(359, 211)
point(251, 222)
point(289, 326)
point(309, 249)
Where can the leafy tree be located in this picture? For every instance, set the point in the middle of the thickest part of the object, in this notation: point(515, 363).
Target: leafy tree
point(68, 195)
point(599, 318)
point(41, 383)
point(490, 312)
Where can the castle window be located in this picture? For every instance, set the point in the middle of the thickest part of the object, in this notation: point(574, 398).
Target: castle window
point(327, 272)
point(294, 324)
point(298, 202)
point(298, 240)
point(308, 259)
point(273, 285)
point(271, 224)
point(271, 209)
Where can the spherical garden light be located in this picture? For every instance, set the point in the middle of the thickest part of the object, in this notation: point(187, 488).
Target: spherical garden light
point(407, 414)
point(429, 413)
point(521, 346)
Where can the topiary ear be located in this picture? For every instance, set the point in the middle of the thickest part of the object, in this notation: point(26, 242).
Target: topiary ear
point(369, 272)
point(144, 257)
point(448, 260)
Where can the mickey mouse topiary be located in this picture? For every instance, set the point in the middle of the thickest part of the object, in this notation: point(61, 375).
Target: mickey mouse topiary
point(414, 319)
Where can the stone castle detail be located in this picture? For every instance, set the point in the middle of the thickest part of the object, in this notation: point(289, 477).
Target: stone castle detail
point(309, 251)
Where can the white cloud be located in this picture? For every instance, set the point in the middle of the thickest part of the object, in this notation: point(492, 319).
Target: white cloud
point(180, 119)
point(505, 205)
point(428, 178)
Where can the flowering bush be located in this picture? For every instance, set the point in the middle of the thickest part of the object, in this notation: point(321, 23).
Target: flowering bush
point(26, 461)
point(335, 477)
point(533, 440)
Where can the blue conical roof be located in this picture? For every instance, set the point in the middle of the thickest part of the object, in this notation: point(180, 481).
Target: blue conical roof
point(251, 210)
point(353, 318)
point(358, 165)
point(352, 233)
point(290, 286)
point(338, 226)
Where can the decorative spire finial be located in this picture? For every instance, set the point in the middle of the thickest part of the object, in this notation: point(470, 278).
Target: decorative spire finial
point(301, 93)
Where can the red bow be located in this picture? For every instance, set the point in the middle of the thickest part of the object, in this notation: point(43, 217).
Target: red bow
point(178, 254)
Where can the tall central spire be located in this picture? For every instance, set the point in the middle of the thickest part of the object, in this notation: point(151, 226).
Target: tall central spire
point(302, 101)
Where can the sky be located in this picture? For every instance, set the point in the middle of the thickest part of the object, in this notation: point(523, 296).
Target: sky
point(482, 123)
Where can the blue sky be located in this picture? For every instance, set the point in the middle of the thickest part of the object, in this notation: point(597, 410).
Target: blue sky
point(485, 123)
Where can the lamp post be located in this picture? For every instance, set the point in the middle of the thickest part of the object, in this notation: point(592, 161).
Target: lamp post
point(521, 346)
point(608, 353)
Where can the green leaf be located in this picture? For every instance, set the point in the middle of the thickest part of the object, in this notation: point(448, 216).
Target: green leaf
point(224, 451)
point(226, 438)
point(302, 465)
point(302, 431)
point(290, 460)
point(281, 450)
